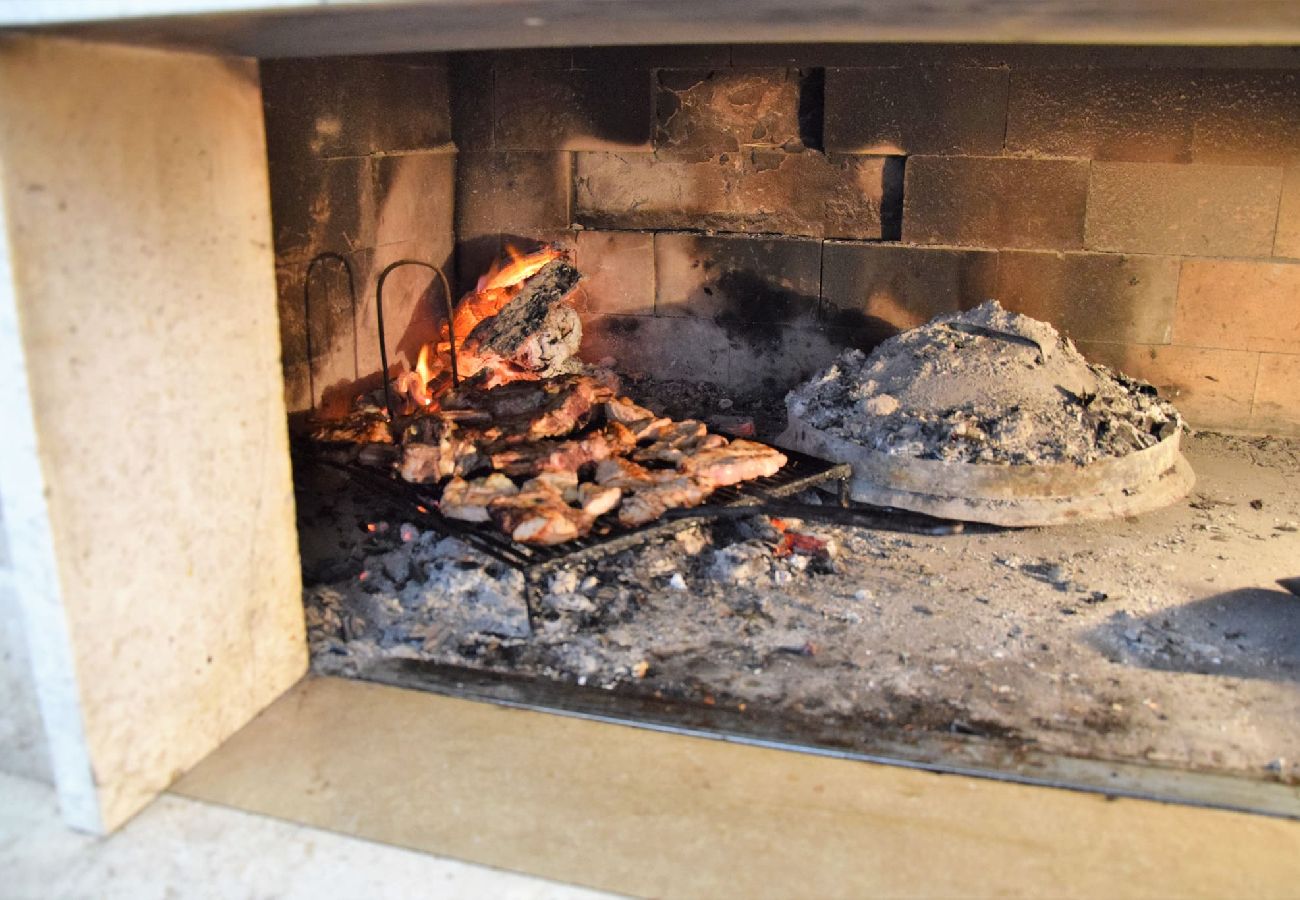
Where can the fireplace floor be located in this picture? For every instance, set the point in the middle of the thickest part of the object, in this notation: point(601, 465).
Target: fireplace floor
point(1119, 656)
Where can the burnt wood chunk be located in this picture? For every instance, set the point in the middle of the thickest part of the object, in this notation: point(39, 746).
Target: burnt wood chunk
point(536, 329)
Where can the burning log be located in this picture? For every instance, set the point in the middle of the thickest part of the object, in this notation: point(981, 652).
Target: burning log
point(536, 332)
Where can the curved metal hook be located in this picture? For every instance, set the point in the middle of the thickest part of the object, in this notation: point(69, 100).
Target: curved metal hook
point(379, 314)
point(325, 256)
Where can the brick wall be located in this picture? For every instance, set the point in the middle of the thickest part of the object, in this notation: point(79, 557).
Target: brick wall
point(744, 212)
point(362, 165)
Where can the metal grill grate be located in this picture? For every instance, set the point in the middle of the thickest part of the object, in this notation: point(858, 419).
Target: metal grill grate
point(607, 536)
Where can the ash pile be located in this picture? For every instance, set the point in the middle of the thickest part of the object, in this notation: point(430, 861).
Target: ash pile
point(991, 416)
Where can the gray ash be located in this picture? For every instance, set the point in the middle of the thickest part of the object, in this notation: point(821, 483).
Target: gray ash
point(984, 386)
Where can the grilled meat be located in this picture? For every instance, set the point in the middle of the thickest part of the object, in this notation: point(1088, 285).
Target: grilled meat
point(539, 516)
point(448, 451)
point(468, 500)
point(640, 421)
point(596, 500)
point(365, 426)
point(562, 456)
point(651, 501)
point(675, 443)
point(736, 462)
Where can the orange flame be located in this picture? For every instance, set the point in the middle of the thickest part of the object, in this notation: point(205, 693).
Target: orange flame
point(495, 288)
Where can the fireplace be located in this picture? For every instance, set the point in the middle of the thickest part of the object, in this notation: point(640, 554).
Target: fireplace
point(741, 214)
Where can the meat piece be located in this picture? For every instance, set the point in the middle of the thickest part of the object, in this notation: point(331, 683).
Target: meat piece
point(623, 473)
point(738, 461)
point(648, 503)
point(596, 500)
point(468, 500)
point(530, 410)
point(564, 484)
point(365, 426)
point(643, 423)
point(557, 456)
point(674, 443)
point(539, 516)
point(447, 452)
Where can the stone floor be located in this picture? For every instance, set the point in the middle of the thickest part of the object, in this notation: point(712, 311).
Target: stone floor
point(183, 848)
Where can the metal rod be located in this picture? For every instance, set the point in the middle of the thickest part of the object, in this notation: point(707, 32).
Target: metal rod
point(326, 256)
point(379, 315)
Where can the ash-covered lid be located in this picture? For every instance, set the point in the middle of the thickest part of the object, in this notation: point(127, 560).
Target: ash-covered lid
point(983, 386)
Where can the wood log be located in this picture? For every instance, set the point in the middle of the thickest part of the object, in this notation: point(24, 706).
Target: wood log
point(536, 331)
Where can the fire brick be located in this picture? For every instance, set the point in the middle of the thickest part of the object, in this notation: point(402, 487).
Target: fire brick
point(575, 109)
point(1248, 117)
point(1212, 388)
point(322, 205)
point(784, 358)
point(505, 192)
point(1123, 114)
point(1093, 296)
point(472, 76)
point(618, 269)
point(1288, 217)
point(415, 195)
point(876, 110)
point(1277, 401)
point(350, 106)
point(1194, 209)
point(995, 202)
point(662, 347)
point(878, 290)
point(789, 193)
point(737, 278)
point(704, 112)
point(1240, 305)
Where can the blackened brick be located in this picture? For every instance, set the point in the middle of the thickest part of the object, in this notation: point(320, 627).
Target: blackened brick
point(322, 205)
point(661, 347)
point(1194, 209)
point(415, 201)
point(786, 193)
point(553, 109)
point(916, 110)
point(766, 363)
point(472, 78)
point(878, 290)
point(506, 192)
point(618, 271)
point(995, 202)
point(707, 112)
point(737, 278)
point(353, 105)
point(1093, 296)
point(1123, 114)
point(1248, 117)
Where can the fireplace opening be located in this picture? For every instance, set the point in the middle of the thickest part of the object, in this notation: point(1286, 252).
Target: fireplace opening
point(553, 322)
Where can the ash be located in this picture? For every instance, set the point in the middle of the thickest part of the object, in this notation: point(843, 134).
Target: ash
point(983, 386)
point(1163, 639)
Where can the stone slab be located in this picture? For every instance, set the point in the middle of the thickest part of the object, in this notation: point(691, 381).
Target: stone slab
point(1239, 305)
point(844, 829)
point(158, 568)
point(1277, 395)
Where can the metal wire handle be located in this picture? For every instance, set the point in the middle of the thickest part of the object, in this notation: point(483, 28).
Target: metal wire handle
point(379, 315)
point(326, 256)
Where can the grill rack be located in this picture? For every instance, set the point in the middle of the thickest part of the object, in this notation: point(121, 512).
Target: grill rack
point(607, 536)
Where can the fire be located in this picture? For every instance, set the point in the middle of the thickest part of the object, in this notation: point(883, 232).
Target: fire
point(496, 287)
